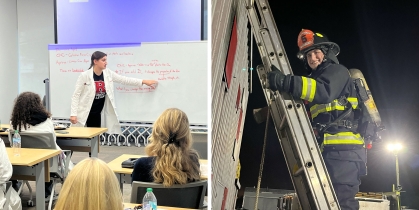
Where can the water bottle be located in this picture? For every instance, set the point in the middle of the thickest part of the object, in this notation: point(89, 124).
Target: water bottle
point(149, 200)
point(17, 142)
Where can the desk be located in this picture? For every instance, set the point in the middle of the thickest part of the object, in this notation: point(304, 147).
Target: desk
point(132, 205)
point(81, 139)
point(32, 162)
point(124, 174)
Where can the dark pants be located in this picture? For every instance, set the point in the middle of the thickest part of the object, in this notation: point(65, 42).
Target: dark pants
point(93, 121)
point(344, 168)
point(48, 187)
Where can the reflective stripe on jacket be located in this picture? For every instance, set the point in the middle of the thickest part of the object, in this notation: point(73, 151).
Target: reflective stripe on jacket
point(316, 109)
point(309, 88)
point(342, 138)
point(342, 141)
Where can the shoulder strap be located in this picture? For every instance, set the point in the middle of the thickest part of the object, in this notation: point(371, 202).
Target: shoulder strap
point(339, 120)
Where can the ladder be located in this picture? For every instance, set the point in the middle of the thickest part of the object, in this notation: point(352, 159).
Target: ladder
point(303, 157)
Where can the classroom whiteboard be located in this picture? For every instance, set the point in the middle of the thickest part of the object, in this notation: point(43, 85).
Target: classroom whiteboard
point(180, 68)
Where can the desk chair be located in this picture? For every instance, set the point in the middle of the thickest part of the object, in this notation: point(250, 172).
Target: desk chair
point(6, 188)
point(58, 165)
point(190, 195)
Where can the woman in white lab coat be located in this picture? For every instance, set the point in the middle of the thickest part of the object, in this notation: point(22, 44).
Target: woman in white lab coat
point(6, 171)
point(94, 95)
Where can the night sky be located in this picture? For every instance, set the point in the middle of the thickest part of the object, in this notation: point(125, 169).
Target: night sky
point(381, 38)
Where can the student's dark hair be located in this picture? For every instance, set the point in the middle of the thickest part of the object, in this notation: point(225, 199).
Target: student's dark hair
point(27, 104)
point(96, 56)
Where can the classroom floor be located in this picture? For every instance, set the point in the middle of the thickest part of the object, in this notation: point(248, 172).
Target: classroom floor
point(107, 154)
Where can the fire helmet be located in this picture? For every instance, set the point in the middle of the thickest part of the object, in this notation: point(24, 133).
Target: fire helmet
point(308, 40)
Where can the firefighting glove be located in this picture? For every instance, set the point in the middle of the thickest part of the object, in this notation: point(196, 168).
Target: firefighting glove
point(277, 80)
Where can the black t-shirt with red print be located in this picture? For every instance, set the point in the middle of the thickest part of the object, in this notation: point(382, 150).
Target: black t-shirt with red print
point(100, 94)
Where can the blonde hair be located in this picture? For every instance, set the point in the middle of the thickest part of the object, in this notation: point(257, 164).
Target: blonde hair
point(90, 185)
point(171, 141)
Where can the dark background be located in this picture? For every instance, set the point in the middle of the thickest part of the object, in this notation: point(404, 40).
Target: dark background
point(381, 38)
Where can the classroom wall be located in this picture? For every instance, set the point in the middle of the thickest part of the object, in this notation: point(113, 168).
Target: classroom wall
point(27, 27)
point(35, 25)
point(8, 58)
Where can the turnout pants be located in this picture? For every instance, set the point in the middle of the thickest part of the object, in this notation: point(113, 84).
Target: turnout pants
point(345, 168)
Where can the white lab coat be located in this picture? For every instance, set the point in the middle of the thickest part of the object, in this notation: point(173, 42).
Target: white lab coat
point(45, 127)
point(6, 171)
point(84, 94)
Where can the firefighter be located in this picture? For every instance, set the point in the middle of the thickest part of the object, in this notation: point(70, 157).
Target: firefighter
point(333, 103)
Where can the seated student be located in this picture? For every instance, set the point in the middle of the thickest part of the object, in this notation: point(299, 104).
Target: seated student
point(91, 185)
point(171, 159)
point(6, 171)
point(30, 115)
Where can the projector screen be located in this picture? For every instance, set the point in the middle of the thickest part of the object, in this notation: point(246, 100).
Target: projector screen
point(127, 21)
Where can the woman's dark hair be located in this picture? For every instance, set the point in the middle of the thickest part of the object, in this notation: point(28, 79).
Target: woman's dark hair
point(96, 56)
point(27, 106)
